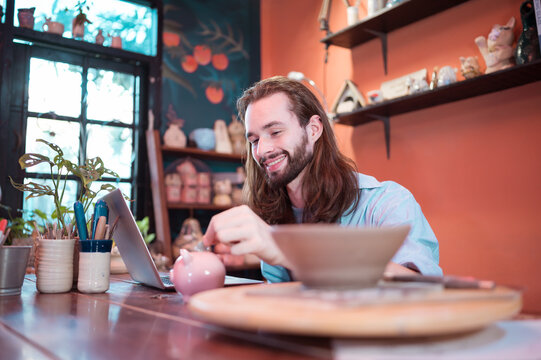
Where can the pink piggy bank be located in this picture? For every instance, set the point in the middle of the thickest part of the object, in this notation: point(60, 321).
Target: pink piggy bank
point(197, 271)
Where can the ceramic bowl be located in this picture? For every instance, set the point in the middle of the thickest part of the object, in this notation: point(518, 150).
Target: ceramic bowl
point(338, 257)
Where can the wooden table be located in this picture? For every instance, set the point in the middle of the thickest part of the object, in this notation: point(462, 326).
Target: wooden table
point(131, 321)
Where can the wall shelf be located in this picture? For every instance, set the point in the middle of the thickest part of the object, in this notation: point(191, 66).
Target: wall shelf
point(387, 20)
point(481, 85)
point(212, 155)
point(54, 40)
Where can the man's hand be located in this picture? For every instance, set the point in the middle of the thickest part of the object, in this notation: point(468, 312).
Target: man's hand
point(245, 233)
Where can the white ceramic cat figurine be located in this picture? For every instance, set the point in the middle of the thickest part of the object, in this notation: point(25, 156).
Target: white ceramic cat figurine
point(497, 50)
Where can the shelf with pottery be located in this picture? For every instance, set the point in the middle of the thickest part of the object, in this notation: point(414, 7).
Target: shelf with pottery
point(386, 20)
point(484, 84)
point(51, 39)
point(156, 153)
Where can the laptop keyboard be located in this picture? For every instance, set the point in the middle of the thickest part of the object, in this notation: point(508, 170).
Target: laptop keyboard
point(166, 280)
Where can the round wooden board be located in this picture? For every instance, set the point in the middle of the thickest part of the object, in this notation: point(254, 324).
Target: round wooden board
point(273, 308)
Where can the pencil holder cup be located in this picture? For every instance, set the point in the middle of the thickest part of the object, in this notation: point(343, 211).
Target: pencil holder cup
point(94, 265)
point(54, 265)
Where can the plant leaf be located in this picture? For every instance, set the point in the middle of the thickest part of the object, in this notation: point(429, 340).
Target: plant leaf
point(111, 172)
point(33, 188)
point(108, 187)
point(52, 146)
point(40, 214)
point(31, 159)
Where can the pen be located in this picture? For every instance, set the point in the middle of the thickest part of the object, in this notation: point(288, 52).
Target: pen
point(80, 220)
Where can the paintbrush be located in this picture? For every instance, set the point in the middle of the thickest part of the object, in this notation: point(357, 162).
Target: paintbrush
point(113, 227)
point(100, 228)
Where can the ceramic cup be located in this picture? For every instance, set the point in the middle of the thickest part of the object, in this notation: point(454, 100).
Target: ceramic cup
point(94, 265)
point(353, 15)
point(54, 265)
point(53, 27)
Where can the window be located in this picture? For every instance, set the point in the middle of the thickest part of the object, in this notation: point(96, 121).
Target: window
point(89, 107)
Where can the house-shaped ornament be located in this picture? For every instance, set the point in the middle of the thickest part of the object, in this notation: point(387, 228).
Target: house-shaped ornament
point(349, 99)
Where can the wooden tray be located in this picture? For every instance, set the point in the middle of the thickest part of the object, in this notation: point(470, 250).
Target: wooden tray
point(290, 308)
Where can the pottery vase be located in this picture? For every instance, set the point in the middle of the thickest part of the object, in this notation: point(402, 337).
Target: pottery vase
point(100, 38)
point(528, 43)
point(77, 30)
point(26, 18)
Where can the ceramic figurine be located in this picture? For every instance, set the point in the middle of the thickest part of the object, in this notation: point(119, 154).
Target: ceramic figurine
point(237, 136)
point(434, 80)
point(189, 236)
point(223, 144)
point(497, 50)
point(100, 38)
point(174, 136)
point(188, 173)
point(173, 185)
point(446, 76)
point(222, 193)
point(528, 42)
point(469, 67)
point(203, 195)
point(197, 271)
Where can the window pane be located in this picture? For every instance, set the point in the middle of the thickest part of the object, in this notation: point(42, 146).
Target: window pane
point(113, 145)
point(65, 134)
point(54, 87)
point(125, 187)
point(110, 96)
point(137, 25)
point(46, 203)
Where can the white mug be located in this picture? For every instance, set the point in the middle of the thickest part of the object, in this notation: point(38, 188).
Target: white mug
point(353, 15)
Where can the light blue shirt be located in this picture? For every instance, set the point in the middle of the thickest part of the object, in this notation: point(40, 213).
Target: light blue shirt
point(385, 204)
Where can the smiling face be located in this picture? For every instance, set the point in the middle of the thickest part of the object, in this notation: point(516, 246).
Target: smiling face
point(280, 146)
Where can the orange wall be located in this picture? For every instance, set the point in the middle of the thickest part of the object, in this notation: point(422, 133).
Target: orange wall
point(473, 165)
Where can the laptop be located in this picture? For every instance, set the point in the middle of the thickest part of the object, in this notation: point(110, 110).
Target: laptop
point(134, 250)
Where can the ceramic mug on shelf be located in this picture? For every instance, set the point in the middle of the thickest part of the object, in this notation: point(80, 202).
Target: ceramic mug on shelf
point(53, 27)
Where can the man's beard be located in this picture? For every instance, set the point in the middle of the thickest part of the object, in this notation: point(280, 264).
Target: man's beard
point(296, 163)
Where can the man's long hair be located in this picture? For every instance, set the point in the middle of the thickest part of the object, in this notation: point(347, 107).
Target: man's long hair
point(329, 184)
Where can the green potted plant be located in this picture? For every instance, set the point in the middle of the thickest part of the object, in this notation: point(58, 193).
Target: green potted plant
point(60, 238)
point(60, 167)
point(79, 21)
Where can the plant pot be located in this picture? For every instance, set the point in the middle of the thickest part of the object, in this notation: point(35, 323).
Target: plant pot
point(54, 265)
point(27, 241)
point(13, 260)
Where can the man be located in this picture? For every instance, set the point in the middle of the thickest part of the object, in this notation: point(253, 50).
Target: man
point(296, 173)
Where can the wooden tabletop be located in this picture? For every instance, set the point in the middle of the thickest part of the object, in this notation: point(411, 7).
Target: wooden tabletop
point(131, 320)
